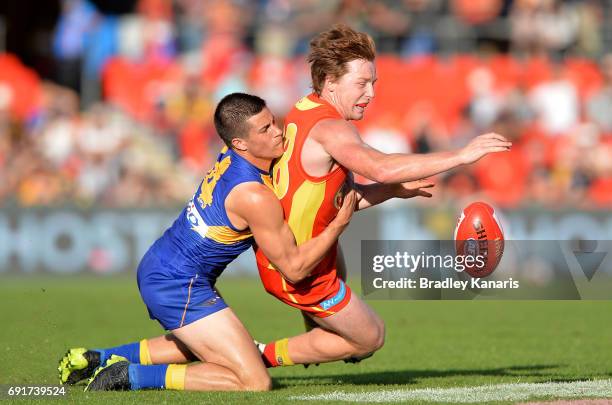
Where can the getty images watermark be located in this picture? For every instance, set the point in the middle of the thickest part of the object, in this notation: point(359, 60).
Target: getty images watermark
point(527, 270)
point(427, 263)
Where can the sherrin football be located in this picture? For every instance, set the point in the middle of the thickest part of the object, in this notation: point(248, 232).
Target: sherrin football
point(479, 234)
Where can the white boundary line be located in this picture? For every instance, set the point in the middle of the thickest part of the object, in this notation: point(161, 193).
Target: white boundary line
point(483, 393)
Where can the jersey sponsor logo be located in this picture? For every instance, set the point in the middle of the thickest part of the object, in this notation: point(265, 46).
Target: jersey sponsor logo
point(336, 299)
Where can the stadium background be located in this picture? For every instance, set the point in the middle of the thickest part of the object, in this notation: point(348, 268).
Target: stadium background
point(105, 131)
point(105, 113)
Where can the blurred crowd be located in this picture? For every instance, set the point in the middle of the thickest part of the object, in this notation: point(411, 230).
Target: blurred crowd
point(127, 120)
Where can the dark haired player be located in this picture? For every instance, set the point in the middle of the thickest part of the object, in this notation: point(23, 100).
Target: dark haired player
point(233, 207)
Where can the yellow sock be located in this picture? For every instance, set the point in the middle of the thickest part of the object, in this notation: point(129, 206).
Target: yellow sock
point(145, 356)
point(175, 377)
point(281, 349)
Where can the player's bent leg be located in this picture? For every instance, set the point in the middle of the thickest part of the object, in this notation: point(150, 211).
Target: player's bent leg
point(359, 325)
point(356, 331)
point(353, 333)
point(168, 349)
point(318, 346)
point(232, 361)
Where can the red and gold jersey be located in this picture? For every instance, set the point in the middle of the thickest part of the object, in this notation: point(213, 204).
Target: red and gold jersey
point(309, 204)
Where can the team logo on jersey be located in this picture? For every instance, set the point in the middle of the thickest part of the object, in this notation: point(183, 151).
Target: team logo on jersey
point(339, 197)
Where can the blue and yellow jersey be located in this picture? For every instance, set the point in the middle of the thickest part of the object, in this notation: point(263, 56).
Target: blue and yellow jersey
point(202, 240)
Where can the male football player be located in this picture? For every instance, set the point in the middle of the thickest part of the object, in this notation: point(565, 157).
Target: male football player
point(322, 148)
point(233, 207)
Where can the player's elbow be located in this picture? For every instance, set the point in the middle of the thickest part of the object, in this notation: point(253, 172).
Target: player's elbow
point(294, 276)
point(293, 270)
point(294, 279)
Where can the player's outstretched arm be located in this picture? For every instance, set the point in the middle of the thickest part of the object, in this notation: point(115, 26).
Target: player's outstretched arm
point(369, 195)
point(342, 142)
point(263, 213)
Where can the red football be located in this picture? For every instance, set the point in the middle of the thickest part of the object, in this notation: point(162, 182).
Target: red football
point(479, 235)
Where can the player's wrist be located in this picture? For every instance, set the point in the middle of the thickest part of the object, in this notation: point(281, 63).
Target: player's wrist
point(460, 157)
point(337, 226)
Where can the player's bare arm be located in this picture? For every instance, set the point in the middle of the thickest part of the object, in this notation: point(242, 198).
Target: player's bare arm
point(342, 142)
point(256, 206)
point(369, 195)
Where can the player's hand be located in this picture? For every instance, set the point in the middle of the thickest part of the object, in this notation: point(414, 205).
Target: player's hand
point(483, 145)
point(346, 210)
point(412, 189)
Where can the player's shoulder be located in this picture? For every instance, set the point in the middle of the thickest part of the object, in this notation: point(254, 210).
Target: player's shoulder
point(312, 108)
point(337, 127)
point(252, 194)
point(250, 200)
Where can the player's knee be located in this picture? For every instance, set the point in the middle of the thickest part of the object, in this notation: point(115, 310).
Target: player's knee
point(259, 383)
point(374, 339)
point(380, 336)
point(255, 379)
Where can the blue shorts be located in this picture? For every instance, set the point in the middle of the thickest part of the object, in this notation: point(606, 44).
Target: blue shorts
point(172, 299)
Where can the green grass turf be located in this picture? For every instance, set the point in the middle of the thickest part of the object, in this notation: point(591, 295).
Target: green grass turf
point(429, 343)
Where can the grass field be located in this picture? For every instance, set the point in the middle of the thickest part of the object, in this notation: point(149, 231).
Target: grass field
point(430, 344)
